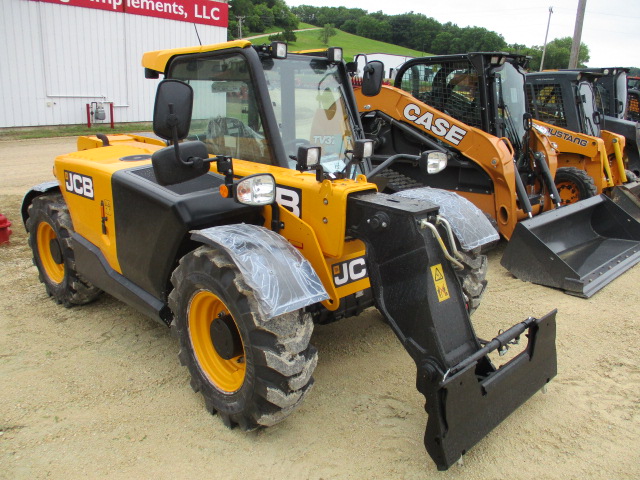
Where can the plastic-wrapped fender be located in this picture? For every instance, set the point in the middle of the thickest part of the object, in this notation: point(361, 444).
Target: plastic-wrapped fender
point(281, 278)
point(469, 224)
point(35, 192)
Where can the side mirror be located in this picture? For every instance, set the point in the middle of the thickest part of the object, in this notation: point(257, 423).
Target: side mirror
point(172, 110)
point(171, 121)
point(372, 78)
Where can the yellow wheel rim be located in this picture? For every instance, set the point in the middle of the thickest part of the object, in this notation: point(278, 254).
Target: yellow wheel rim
point(44, 236)
point(226, 375)
point(568, 193)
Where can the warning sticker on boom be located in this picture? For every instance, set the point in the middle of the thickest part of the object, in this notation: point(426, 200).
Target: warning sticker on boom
point(440, 283)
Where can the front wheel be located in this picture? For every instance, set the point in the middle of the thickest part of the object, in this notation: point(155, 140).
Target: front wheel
point(251, 370)
point(574, 185)
point(50, 228)
point(473, 278)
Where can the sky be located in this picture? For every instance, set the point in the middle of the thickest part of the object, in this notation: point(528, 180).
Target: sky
point(611, 28)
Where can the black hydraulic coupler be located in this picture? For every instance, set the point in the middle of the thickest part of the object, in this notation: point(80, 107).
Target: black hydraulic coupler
point(417, 290)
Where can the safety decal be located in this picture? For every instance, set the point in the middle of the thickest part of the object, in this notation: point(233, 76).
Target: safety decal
point(440, 282)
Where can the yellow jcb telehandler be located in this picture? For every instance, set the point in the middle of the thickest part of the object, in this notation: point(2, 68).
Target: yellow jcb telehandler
point(258, 219)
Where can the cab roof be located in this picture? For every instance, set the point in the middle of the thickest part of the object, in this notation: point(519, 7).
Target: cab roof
point(158, 59)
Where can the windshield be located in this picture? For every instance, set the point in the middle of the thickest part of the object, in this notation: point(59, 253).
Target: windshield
point(621, 94)
point(309, 104)
point(225, 113)
point(511, 103)
point(587, 108)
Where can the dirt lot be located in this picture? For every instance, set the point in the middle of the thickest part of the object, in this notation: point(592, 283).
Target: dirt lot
point(98, 391)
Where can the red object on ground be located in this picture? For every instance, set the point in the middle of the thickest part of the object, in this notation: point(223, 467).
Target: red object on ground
point(4, 229)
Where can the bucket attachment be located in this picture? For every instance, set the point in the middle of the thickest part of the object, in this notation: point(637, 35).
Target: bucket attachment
point(627, 197)
point(417, 291)
point(578, 248)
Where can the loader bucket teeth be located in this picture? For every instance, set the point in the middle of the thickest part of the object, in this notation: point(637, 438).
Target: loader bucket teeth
point(579, 248)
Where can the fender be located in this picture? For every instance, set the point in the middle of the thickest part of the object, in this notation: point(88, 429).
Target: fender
point(282, 279)
point(469, 224)
point(36, 192)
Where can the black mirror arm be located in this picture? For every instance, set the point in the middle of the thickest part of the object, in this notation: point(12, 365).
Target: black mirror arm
point(172, 122)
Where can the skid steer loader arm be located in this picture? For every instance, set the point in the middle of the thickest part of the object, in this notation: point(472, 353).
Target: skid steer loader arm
point(416, 290)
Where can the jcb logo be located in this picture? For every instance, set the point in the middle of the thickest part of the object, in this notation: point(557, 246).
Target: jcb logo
point(349, 271)
point(290, 198)
point(79, 184)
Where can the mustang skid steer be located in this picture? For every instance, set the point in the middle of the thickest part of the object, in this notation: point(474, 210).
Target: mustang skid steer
point(243, 236)
point(472, 108)
point(580, 118)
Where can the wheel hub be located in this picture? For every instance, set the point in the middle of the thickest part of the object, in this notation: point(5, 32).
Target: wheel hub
point(56, 251)
point(225, 337)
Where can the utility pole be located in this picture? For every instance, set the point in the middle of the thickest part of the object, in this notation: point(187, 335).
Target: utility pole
point(544, 49)
point(577, 34)
point(240, 20)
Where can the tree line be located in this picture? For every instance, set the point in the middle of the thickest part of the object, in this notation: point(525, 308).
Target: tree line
point(411, 30)
point(426, 34)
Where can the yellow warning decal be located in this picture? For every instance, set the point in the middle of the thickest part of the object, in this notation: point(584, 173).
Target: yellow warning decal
point(440, 283)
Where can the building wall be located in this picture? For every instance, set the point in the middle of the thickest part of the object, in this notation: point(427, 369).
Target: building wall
point(57, 58)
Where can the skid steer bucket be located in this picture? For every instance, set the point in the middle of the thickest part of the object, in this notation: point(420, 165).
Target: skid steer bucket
point(578, 248)
point(627, 197)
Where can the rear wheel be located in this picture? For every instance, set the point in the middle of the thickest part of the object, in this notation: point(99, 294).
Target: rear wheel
point(574, 185)
point(50, 227)
point(251, 370)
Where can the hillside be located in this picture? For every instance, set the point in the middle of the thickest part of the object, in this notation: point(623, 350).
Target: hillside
point(351, 44)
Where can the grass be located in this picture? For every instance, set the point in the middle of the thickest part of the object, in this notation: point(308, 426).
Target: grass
point(27, 133)
point(351, 44)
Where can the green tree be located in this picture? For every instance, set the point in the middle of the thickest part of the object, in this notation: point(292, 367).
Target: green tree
point(557, 54)
point(326, 33)
point(370, 27)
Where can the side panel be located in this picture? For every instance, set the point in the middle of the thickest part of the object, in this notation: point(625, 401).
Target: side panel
point(152, 222)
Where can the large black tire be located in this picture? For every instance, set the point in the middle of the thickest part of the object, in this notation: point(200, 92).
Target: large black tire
point(574, 185)
point(259, 370)
point(50, 228)
point(473, 278)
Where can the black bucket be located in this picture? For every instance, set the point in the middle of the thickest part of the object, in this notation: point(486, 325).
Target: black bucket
point(578, 248)
point(628, 198)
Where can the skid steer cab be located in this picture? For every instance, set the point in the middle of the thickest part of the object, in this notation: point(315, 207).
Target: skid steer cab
point(258, 221)
point(472, 108)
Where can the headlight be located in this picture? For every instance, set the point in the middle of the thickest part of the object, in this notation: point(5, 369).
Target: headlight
point(436, 162)
point(278, 50)
point(257, 190)
point(363, 148)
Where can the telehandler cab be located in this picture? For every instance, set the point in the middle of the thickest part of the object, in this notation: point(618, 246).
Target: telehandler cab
point(263, 222)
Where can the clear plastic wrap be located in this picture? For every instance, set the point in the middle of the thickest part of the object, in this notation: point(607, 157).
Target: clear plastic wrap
point(470, 225)
point(282, 279)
